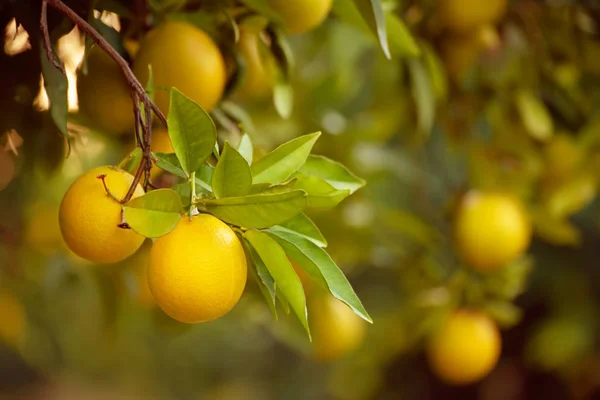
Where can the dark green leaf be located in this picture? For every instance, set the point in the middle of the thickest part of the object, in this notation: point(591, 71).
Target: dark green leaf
point(192, 132)
point(281, 270)
point(332, 172)
point(281, 163)
point(232, 176)
point(154, 214)
point(319, 265)
point(423, 95)
point(302, 226)
point(261, 274)
point(259, 210)
point(55, 83)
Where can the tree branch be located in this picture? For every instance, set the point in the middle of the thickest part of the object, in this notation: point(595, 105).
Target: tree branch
point(46, 36)
point(138, 93)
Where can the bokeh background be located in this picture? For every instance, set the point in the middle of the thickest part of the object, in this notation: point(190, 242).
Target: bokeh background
point(507, 105)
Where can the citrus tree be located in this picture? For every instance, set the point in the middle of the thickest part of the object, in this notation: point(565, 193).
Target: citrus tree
point(190, 160)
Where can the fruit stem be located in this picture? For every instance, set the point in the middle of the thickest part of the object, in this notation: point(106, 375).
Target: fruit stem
point(193, 193)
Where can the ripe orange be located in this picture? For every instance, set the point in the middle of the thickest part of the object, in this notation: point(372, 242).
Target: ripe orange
point(336, 330)
point(184, 57)
point(466, 15)
point(301, 15)
point(89, 217)
point(465, 349)
point(197, 272)
point(491, 229)
point(104, 96)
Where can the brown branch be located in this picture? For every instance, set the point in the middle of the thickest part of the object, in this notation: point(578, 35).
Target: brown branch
point(46, 36)
point(104, 45)
point(138, 93)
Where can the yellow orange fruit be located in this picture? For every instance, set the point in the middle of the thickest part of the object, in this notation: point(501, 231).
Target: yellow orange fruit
point(301, 15)
point(491, 229)
point(104, 96)
point(466, 15)
point(89, 216)
point(461, 53)
point(184, 57)
point(336, 330)
point(197, 272)
point(465, 349)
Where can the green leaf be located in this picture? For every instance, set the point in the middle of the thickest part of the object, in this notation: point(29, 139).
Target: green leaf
point(112, 36)
point(113, 6)
point(319, 265)
point(302, 226)
point(401, 40)
point(232, 176)
point(267, 188)
point(422, 93)
point(132, 160)
point(320, 193)
point(282, 271)
point(437, 72)
point(281, 163)
point(372, 12)
point(154, 214)
point(239, 115)
point(55, 83)
point(283, 99)
point(170, 163)
point(246, 148)
point(192, 132)
point(332, 172)
point(260, 273)
point(259, 210)
point(535, 115)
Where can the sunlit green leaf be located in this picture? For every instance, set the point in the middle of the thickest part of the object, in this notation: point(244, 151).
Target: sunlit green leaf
point(246, 148)
point(400, 38)
point(281, 163)
point(266, 188)
point(232, 176)
point(320, 193)
point(281, 270)
point(302, 226)
point(259, 210)
point(132, 160)
point(192, 132)
point(283, 99)
point(332, 172)
point(154, 214)
point(319, 265)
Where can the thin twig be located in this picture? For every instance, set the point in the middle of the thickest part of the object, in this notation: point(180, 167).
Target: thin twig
point(46, 35)
point(138, 93)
